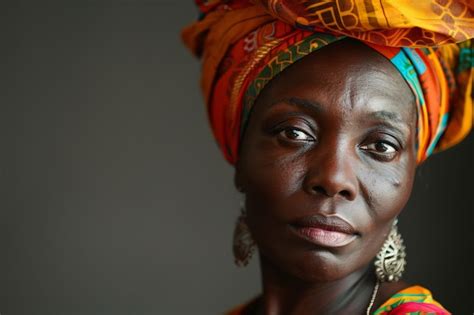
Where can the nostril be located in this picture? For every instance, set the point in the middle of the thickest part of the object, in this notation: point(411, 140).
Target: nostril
point(345, 194)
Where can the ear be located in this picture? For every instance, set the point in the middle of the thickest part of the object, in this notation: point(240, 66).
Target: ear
point(239, 178)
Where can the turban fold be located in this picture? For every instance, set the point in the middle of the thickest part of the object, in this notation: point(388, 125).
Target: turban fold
point(244, 44)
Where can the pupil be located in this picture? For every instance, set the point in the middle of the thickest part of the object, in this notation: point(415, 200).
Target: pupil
point(292, 134)
point(380, 146)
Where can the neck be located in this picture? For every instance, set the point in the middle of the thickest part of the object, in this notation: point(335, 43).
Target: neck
point(286, 294)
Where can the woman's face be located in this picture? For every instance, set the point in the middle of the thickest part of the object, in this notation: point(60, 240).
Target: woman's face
point(327, 161)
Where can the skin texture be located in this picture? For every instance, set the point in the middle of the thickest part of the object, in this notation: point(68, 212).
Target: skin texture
point(332, 135)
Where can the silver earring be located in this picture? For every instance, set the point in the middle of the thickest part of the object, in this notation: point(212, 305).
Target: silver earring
point(390, 261)
point(243, 244)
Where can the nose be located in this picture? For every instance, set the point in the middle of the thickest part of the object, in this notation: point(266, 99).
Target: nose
point(330, 173)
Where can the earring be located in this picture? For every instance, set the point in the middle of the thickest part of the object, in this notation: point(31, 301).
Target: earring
point(243, 244)
point(390, 261)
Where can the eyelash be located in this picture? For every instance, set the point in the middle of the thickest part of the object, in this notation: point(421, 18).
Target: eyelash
point(282, 132)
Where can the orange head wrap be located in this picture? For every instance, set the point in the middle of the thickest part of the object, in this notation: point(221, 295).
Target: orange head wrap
point(244, 44)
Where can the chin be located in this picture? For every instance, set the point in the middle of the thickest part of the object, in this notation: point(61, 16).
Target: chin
point(311, 265)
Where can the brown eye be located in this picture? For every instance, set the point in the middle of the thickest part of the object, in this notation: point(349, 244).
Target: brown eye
point(380, 147)
point(296, 134)
point(381, 150)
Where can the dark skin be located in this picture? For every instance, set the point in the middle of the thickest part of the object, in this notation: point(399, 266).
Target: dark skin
point(333, 134)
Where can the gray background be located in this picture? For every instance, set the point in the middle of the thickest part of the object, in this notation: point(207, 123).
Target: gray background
point(114, 196)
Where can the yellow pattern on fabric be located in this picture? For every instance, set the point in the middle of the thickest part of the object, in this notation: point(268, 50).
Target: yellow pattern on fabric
point(416, 293)
point(411, 23)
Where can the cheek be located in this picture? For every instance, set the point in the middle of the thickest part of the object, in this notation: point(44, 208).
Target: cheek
point(272, 183)
point(272, 186)
point(271, 173)
point(388, 189)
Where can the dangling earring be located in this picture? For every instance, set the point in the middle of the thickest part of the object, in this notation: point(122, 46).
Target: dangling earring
point(244, 245)
point(390, 261)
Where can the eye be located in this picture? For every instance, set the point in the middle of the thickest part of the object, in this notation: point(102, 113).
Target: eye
point(296, 134)
point(380, 147)
point(382, 150)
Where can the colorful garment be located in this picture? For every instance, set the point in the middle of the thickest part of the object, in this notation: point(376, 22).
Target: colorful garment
point(413, 300)
point(244, 44)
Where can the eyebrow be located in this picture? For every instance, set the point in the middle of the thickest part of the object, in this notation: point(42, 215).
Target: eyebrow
point(392, 119)
point(300, 102)
point(387, 116)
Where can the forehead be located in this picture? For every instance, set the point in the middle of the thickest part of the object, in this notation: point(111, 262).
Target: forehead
point(348, 76)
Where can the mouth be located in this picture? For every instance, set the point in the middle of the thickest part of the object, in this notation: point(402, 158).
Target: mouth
point(325, 231)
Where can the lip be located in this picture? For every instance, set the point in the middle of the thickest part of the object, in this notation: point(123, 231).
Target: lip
point(325, 231)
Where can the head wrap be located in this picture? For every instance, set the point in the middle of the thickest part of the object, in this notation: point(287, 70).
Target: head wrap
point(245, 43)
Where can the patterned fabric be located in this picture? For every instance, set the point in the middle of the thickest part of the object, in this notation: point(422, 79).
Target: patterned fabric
point(414, 23)
point(413, 300)
point(244, 44)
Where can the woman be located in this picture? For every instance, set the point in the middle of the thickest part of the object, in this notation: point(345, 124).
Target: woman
point(326, 108)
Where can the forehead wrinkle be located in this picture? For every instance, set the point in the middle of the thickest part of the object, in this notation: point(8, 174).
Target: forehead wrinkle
point(359, 91)
point(391, 81)
point(389, 118)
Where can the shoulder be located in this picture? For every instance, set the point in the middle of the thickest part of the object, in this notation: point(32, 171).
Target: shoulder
point(411, 299)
